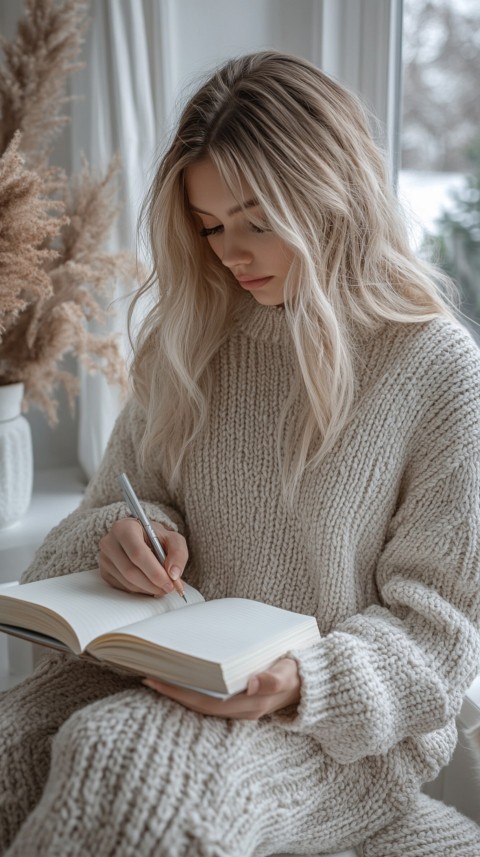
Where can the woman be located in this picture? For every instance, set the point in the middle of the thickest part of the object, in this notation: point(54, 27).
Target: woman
point(303, 430)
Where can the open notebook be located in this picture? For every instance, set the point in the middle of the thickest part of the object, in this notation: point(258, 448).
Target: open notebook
point(212, 646)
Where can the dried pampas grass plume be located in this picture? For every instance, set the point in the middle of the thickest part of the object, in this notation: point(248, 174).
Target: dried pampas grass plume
point(34, 75)
point(48, 293)
point(27, 224)
point(55, 277)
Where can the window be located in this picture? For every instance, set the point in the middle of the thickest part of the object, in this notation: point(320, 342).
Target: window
point(439, 180)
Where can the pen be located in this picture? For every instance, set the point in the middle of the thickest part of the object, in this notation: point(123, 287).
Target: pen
point(136, 510)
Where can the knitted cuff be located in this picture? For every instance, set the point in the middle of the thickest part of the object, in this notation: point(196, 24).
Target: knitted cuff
point(73, 544)
point(315, 689)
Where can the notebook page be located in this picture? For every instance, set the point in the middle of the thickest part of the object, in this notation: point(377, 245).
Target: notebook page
point(221, 630)
point(90, 605)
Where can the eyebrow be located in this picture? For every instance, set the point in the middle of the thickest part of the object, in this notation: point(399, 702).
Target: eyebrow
point(250, 203)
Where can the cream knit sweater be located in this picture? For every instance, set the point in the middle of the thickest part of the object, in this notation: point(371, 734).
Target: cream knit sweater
point(383, 548)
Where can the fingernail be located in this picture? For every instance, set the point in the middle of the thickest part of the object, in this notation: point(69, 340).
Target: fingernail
point(175, 572)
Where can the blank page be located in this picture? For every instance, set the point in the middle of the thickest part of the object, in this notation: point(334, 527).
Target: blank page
point(90, 605)
point(221, 630)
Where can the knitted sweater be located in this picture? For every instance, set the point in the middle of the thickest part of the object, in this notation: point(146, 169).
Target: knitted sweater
point(383, 547)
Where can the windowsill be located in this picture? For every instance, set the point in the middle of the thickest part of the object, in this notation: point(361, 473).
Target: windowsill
point(56, 493)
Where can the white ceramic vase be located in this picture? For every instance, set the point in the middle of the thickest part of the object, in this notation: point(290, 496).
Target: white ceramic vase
point(16, 457)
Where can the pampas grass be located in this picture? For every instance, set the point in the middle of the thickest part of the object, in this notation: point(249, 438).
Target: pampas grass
point(34, 74)
point(54, 275)
point(28, 222)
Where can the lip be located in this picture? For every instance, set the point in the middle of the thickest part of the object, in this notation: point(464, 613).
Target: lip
point(253, 284)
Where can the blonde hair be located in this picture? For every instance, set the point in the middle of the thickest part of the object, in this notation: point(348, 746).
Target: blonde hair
point(303, 145)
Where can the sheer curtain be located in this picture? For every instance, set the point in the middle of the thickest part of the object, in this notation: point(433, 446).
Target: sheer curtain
point(118, 107)
point(143, 57)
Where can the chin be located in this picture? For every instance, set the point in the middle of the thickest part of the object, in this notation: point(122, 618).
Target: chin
point(267, 300)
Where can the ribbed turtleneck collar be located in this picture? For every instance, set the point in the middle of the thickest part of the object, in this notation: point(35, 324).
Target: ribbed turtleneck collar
point(270, 324)
point(262, 322)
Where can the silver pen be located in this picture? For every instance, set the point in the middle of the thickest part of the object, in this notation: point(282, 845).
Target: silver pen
point(136, 510)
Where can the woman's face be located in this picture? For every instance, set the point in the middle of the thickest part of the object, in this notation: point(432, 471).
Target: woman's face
point(257, 258)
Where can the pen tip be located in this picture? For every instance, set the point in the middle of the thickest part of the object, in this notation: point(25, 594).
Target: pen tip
point(186, 602)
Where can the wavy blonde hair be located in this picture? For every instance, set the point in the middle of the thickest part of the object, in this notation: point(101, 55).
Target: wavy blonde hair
point(302, 143)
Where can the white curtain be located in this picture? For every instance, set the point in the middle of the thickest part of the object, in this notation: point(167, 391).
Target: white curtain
point(144, 57)
point(118, 107)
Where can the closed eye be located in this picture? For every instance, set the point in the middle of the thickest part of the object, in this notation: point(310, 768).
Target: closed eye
point(214, 230)
point(255, 228)
point(206, 232)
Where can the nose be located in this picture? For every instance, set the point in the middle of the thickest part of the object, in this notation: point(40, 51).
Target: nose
point(235, 253)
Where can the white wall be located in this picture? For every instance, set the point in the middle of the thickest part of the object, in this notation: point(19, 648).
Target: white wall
point(195, 37)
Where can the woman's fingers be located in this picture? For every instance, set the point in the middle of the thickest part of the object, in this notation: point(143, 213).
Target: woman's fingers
point(125, 556)
point(175, 548)
point(111, 576)
point(127, 577)
point(140, 556)
point(127, 561)
point(276, 688)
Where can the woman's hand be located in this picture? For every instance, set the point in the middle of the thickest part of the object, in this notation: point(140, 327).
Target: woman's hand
point(268, 691)
point(127, 562)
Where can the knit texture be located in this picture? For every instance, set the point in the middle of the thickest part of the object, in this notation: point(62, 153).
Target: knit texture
point(383, 548)
point(429, 829)
point(135, 775)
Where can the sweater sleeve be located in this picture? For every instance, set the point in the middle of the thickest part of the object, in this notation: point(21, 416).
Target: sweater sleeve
point(73, 544)
point(401, 667)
